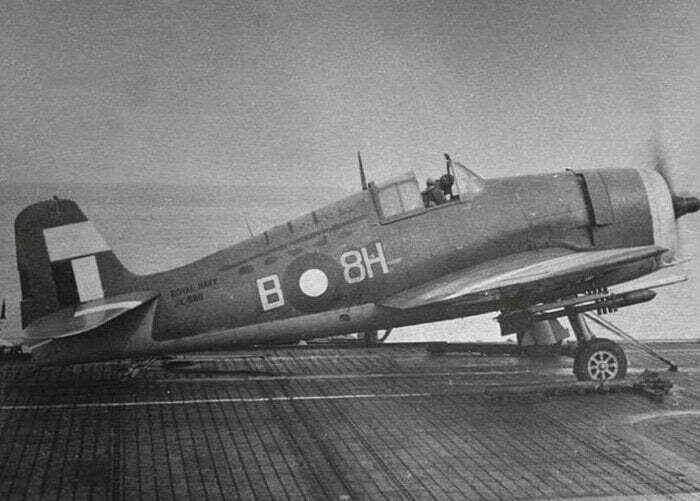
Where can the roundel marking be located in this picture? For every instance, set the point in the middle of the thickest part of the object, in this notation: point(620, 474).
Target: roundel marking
point(313, 282)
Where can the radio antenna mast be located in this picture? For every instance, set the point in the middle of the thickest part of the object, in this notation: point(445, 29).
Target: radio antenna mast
point(363, 179)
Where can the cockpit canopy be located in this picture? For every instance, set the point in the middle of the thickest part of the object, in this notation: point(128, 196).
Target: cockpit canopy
point(402, 194)
point(399, 195)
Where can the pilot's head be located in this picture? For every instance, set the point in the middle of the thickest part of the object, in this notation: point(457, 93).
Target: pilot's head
point(430, 182)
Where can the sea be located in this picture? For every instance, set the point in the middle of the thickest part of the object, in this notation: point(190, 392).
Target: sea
point(155, 227)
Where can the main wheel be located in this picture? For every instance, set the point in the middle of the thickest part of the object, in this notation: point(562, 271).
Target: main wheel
point(600, 359)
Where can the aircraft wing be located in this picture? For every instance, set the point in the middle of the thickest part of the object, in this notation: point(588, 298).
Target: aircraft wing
point(518, 275)
point(83, 318)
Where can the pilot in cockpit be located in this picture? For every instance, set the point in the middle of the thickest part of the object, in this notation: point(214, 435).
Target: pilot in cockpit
point(432, 195)
point(458, 184)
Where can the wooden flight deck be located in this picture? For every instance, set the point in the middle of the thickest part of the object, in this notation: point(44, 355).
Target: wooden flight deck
point(328, 422)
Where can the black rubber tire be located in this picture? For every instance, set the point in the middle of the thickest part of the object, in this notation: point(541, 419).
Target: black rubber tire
point(600, 359)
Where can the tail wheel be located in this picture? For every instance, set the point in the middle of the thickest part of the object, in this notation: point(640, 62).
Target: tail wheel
point(600, 359)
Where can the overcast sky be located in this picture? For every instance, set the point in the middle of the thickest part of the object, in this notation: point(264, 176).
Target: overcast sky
point(262, 92)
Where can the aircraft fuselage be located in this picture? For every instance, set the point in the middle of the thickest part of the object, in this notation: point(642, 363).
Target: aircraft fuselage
point(323, 273)
point(345, 255)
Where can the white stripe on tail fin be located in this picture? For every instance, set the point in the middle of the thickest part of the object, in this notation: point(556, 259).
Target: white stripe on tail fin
point(87, 278)
point(73, 240)
point(78, 242)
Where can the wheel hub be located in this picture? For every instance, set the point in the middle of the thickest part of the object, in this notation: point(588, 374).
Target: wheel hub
point(602, 365)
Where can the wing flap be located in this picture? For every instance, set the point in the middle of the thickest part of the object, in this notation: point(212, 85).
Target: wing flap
point(83, 318)
point(510, 275)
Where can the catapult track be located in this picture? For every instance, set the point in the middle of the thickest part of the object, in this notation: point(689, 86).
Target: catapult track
point(347, 423)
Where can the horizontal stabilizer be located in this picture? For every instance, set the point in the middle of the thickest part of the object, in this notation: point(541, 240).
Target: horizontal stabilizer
point(83, 318)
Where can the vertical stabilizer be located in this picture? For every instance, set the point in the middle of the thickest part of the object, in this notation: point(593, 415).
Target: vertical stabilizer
point(63, 260)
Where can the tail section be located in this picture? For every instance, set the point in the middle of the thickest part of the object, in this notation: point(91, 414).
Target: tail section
point(63, 260)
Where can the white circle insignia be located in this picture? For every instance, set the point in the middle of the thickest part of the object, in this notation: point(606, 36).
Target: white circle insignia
point(313, 282)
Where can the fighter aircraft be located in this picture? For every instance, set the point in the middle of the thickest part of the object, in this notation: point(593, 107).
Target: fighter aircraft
point(534, 248)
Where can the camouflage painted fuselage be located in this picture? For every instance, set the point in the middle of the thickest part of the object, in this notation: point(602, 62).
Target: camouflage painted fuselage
point(324, 273)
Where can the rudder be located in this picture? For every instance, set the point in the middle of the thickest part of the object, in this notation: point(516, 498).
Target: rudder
point(63, 260)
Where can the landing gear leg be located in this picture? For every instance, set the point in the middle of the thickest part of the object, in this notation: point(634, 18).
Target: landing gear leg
point(580, 327)
point(597, 359)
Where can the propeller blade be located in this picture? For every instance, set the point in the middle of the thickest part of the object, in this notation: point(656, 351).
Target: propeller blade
point(670, 171)
point(661, 163)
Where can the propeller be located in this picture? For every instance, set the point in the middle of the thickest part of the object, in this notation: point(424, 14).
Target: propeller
point(682, 204)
